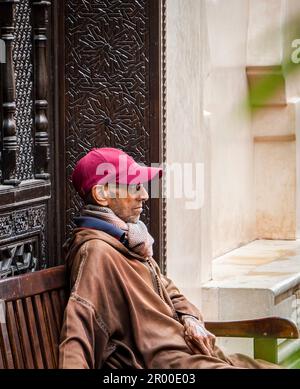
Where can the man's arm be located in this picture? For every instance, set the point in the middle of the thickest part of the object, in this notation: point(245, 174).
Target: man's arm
point(196, 335)
point(181, 304)
point(80, 333)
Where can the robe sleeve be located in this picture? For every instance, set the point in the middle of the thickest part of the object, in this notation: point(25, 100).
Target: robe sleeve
point(80, 333)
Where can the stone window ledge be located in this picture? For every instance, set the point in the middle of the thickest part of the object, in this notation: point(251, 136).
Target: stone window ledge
point(261, 278)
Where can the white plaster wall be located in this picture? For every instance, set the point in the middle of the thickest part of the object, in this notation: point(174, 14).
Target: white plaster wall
point(276, 171)
point(209, 45)
point(269, 43)
point(292, 32)
point(273, 25)
point(275, 190)
point(265, 32)
point(188, 257)
point(293, 90)
point(275, 165)
point(232, 157)
point(297, 130)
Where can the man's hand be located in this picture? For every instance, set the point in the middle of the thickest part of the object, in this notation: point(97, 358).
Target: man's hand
point(197, 337)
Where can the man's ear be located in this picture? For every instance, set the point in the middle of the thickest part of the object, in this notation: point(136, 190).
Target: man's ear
point(100, 195)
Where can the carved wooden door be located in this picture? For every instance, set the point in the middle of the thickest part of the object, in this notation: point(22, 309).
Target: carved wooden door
point(108, 92)
point(77, 74)
point(25, 185)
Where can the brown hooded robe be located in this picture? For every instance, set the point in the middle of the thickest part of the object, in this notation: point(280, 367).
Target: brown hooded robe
point(122, 312)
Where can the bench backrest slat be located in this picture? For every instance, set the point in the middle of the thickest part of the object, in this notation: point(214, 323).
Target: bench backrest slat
point(33, 306)
point(23, 334)
point(6, 359)
point(33, 331)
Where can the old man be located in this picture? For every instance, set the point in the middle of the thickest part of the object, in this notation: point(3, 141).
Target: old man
point(122, 312)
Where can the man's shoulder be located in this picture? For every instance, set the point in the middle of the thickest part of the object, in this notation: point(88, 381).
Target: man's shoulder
point(99, 247)
point(97, 243)
point(92, 250)
point(103, 251)
point(94, 240)
point(95, 258)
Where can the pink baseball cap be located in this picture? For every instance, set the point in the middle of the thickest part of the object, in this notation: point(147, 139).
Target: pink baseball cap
point(109, 165)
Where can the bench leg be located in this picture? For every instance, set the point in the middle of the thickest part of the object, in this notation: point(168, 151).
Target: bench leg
point(266, 349)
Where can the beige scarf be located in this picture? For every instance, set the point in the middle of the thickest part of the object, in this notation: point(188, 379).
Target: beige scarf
point(139, 239)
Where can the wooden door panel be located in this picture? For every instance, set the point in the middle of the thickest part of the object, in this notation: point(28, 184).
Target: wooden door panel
point(77, 75)
point(25, 187)
point(109, 89)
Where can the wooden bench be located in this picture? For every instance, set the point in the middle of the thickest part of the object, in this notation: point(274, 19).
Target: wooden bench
point(31, 312)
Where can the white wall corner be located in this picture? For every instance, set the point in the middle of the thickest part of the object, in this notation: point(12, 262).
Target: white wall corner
point(187, 241)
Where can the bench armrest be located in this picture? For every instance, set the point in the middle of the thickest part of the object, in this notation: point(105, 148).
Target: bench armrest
point(267, 327)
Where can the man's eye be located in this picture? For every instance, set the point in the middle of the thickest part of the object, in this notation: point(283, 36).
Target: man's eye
point(138, 187)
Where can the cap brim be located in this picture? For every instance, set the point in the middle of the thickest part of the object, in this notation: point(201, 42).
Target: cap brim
point(143, 174)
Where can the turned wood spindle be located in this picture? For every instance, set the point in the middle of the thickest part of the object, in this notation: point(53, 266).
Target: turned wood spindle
point(8, 91)
point(40, 84)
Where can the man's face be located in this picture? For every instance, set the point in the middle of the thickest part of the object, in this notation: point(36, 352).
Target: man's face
point(126, 201)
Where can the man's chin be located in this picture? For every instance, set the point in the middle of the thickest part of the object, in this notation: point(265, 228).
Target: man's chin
point(133, 219)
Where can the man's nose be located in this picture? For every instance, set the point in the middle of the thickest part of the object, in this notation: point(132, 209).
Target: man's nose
point(143, 194)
